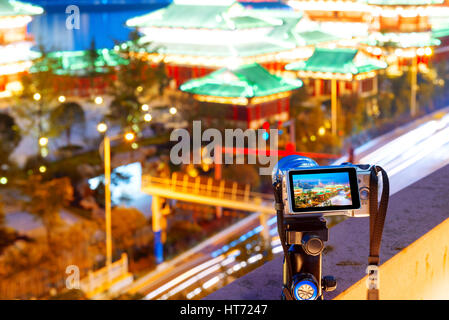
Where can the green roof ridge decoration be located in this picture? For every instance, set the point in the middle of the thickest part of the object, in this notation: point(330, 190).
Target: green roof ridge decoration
point(337, 60)
point(77, 62)
point(404, 2)
point(248, 81)
point(9, 8)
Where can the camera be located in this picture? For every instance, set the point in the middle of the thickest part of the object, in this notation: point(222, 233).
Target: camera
point(326, 191)
point(305, 193)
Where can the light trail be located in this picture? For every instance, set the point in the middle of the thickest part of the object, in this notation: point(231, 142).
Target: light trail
point(411, 147)
point(183, 277)
point(214, 265)
point(201, 275)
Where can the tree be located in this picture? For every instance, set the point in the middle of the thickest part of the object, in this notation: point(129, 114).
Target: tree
point(8, 236)
point(125, 223)
point(45, 201)
point(136, 82)
point(243, 173)
point(308, 121)
point(10, 137)
point(38, 96)
point(65, 118)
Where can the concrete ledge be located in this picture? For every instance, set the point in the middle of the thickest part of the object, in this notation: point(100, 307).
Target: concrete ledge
point(413, 212)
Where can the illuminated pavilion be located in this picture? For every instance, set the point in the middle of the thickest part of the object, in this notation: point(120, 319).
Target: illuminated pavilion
point(401, 33)
point(194, 37)
point(81, 73)
point(331, 73)
point(15, 43)
point(382, 26)
point(249, 95)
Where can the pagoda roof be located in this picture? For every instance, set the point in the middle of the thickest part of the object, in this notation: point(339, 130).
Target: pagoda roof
point(404, 2)
point(314, 37)
point(280, 39)
point(18, 8)
point(247, 81)
point(338, 60)
point(216, 50)
point(211, 14)
point(78, 62)
point(278, 29)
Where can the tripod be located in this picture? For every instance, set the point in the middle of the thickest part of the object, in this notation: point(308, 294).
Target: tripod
point(303, 244)
point(305, 239)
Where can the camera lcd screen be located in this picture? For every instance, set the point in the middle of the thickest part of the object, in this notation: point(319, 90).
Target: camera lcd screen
point(332, 189)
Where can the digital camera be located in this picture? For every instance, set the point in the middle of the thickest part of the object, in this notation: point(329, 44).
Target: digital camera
point(327, 191)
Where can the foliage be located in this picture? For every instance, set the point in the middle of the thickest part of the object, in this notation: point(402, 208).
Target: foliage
point(125, 223)
point(308, 121)
point(45, 201)
point(116, 179)
point(8, 236)
point(10, 137)
point(44, 267)
point(135, 82)
point(32, 113)
point(72, 294)
point(181, 235)
point(65, 118)
point(243, 173)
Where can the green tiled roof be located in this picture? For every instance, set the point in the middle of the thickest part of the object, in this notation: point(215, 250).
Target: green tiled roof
point(18, 8)
point(207, 15)
point(339, 60)
point(245, 82)
point(235, 50)
point(77, 62)
point(440, 32)
point(315, 37)
point(403, 2)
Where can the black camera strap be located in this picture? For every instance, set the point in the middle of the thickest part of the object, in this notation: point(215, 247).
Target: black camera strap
point(279, 206)
point(378, 212)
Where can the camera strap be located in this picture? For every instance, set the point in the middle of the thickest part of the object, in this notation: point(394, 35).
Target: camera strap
point(279, 206)
point(378, 212)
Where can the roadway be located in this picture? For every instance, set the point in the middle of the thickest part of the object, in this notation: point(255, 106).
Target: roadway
point(408, 154)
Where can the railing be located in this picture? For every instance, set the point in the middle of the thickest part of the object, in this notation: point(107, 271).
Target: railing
point(101, 280)
point(208, 187)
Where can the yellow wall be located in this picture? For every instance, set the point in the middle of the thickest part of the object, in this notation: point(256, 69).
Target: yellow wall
point(418, 272)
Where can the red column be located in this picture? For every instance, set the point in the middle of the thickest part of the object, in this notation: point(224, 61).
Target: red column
point(258, 112)
point(176, 74)
point(287, 105)
point(248, 115)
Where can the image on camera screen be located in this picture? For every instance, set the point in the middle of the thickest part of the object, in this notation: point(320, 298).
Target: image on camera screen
point(322, 190)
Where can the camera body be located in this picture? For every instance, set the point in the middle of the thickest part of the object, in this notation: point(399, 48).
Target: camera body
point(327, 191)
point(305, 193)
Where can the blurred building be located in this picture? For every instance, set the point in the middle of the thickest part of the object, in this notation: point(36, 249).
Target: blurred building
point(247, 96)
point(15, 43)
point(352, 70)
point(80, 73)
point(194, 38)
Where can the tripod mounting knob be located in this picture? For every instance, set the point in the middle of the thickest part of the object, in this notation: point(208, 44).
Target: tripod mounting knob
point(312, 244)
point(329, 283)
